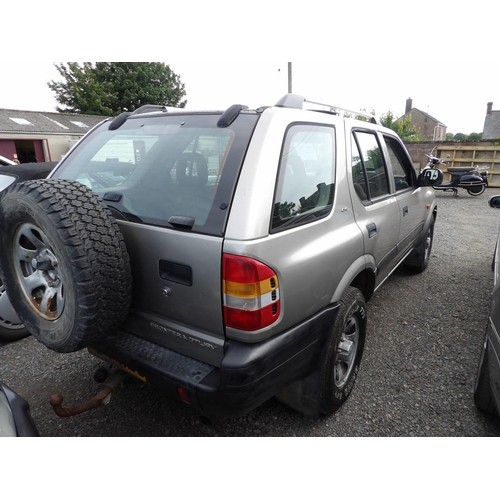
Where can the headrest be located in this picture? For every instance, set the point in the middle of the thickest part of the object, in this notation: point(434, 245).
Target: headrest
point(192, 170)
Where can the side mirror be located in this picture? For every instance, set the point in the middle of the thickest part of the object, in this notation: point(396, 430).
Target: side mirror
point(430, 177)
point(494, 202)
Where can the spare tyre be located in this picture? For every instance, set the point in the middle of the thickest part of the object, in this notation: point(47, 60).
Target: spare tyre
point(64, 263)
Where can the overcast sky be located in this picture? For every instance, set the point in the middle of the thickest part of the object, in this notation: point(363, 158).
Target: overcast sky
point(359, 55)
point(383, 86)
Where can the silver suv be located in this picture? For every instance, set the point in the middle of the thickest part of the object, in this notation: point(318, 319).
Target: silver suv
point(224, 256)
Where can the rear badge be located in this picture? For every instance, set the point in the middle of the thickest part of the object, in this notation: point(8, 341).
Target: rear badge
point(184, 336)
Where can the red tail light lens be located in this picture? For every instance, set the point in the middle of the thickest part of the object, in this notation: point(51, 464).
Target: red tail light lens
point(251, 293)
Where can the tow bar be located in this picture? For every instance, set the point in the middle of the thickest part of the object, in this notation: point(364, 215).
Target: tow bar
point(112, 386)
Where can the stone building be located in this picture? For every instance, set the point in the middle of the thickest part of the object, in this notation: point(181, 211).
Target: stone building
point(429, 127)
point(491, 128)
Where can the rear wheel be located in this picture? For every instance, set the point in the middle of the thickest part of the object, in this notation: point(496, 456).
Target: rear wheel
point(476, 190)
point(344, 352)
point(64, 263)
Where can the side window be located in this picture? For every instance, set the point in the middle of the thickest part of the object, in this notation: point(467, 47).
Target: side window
point(306, 176)
point(402, 170)
point(368, 169)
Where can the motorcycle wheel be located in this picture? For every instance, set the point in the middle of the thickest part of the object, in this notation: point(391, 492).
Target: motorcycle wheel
point(476, 190)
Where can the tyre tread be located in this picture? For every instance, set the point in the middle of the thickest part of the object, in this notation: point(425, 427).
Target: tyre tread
point(99, 259)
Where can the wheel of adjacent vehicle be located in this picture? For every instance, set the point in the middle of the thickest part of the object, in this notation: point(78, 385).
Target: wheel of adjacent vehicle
point(476, 190)
point(11, 328)
point(482, 391)
point(418, 260)
point(64, 263)
point(344, 352)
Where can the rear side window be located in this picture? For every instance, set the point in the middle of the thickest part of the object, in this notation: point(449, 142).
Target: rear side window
point(305, 186)
point(368, 169)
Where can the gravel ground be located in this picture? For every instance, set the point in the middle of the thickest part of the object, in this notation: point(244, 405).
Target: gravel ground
point(417, 374)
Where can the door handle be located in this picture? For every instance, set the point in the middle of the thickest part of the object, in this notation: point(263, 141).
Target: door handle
point(372, 229)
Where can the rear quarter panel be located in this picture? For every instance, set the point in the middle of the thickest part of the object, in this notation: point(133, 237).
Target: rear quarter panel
point(310, 260)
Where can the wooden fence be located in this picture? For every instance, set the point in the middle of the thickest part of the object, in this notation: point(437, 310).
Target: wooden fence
point(486, 157)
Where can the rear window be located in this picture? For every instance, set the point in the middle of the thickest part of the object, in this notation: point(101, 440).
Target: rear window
point(172, 171)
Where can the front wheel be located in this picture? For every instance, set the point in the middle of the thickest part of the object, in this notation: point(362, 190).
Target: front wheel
point(418, 260)
point(344, 351)
point(476, 190)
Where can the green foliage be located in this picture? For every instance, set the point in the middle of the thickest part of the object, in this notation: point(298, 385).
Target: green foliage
point(108, 88)
point(402, 126)
point(475, 136)
point(460, 137)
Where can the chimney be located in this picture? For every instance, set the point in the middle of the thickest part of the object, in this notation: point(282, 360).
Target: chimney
point(488, 108)
point(409, 105)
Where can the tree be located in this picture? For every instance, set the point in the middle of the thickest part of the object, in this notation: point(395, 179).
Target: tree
point(475, 136)
point(460, 137)
point(402, 126)
point(108, 88)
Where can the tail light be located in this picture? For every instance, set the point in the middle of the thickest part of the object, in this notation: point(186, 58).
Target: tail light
point(251, 293)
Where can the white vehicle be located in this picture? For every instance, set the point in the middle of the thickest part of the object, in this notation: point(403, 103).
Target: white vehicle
point(6, 161)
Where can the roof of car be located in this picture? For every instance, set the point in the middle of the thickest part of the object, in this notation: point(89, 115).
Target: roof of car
point(27, 171)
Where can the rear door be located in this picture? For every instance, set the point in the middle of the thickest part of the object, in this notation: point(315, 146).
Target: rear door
point(408, 195)
point(377, 212)
point(169, 181)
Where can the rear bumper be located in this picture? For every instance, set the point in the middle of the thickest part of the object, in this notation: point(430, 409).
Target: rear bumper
point(249, 374)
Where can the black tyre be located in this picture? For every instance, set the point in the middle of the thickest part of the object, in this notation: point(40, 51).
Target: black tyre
point(11, 328)
point(344, 352)
point(476, 190)
point(482, 391)
point(64, 263)
point(418, 260)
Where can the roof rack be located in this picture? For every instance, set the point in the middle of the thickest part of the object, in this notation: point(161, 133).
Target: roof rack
point(297, 101)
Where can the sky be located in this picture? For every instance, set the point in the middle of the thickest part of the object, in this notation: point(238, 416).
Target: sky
point(358, 55)
point(379, 85)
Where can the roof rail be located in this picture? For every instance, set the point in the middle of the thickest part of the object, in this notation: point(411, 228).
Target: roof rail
point(148, 108)
point(297, 101)
point(119, 120)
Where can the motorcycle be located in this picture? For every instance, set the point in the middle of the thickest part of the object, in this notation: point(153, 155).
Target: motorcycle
point(469, 178)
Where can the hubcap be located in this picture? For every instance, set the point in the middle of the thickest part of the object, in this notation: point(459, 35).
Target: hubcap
point(346, 352)
point(8, 317)
point(37, 270)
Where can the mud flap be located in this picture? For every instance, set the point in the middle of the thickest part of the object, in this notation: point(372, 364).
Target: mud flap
point(304, 395)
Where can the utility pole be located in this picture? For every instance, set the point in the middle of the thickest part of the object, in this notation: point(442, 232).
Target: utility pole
point(289, 77)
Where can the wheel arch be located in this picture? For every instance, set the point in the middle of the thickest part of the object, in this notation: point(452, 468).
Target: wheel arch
point(360, 275)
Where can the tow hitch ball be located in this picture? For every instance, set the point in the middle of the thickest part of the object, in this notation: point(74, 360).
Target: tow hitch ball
point(112, 386)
